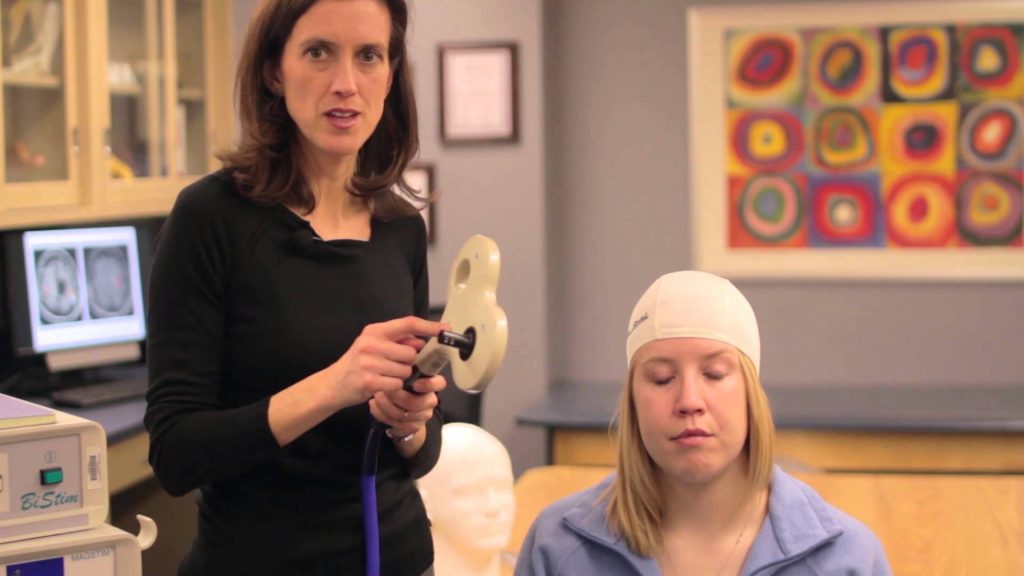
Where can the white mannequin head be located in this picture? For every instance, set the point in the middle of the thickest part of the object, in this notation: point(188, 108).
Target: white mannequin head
point(470, 501)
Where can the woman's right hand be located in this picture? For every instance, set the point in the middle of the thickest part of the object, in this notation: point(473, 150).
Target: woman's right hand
point(379, 360)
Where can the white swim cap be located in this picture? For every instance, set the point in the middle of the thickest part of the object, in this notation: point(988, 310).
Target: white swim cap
point(696, 305)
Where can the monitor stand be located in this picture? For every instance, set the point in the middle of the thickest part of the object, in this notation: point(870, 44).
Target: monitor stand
point(84, 367)
point(64, 360)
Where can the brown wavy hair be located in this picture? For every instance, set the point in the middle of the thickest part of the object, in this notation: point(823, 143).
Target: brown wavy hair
point(267, 164)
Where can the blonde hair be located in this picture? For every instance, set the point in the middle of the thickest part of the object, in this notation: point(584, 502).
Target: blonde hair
point(634, 499)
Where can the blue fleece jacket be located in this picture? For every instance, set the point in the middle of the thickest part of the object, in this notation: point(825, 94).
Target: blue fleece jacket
point(802, 535)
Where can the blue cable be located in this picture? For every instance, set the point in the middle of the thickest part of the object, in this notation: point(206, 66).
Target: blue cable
point(371, 451)
point(368, 480)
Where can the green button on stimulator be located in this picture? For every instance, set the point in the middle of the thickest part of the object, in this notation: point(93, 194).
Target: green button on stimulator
point(51, 476)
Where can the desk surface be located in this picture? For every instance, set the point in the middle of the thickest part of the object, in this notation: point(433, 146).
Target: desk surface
point(892, 408)
point(121, 420)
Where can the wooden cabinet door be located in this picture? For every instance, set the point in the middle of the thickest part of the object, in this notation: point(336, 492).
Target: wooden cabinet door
point(40, 134)
point(127, 105)
point(170, 62)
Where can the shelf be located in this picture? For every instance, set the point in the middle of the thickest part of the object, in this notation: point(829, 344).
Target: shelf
point(125, 90)
point(191, 95)
point(22, 80)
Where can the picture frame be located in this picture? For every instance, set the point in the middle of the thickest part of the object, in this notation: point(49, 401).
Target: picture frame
point(479, 92)
point(420, 177)
point(815, 151)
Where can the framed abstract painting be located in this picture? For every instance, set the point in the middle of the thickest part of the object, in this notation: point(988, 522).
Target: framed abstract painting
point(858, 140)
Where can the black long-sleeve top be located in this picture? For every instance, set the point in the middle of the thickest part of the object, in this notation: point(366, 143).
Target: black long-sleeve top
point(244, 302)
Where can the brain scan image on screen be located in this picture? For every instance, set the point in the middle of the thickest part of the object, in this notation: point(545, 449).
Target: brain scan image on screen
point(108, 277)
point(60, 296)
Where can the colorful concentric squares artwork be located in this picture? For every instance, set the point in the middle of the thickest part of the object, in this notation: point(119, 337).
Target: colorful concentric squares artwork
point(886, 137)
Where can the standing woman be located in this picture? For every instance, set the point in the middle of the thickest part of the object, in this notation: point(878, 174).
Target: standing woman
point(696, 490)
point(287, 300)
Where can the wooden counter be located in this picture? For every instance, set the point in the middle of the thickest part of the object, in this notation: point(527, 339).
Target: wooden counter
point(978, 430)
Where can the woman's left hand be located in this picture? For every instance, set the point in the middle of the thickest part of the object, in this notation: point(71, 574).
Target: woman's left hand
point(405, 412)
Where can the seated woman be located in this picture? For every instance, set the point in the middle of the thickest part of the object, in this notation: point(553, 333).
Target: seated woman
point(696, 490)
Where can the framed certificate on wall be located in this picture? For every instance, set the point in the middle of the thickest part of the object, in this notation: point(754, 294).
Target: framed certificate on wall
point(479, 100)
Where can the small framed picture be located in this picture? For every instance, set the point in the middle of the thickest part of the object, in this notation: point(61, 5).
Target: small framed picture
point(420, 177)
point(479, 100)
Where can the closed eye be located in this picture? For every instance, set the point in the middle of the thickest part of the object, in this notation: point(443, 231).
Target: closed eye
point(658, 371)
point(661, 377)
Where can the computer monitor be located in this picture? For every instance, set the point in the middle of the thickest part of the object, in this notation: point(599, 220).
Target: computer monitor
point(75, 295)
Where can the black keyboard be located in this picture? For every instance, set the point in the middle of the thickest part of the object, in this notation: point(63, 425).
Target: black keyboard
point(100, 393)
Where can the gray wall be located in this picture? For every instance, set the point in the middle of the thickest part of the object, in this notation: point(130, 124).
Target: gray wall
point(496, 190)
point(618, 217)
